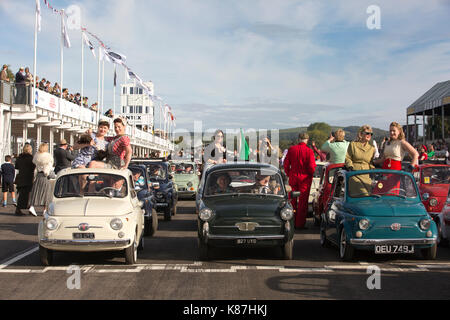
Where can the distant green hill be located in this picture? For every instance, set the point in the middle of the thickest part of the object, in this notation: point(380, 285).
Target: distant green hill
point(351, 133)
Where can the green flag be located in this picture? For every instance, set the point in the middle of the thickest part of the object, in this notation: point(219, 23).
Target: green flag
point(244, 151)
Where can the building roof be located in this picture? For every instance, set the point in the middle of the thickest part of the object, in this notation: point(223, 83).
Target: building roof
point(436, 97)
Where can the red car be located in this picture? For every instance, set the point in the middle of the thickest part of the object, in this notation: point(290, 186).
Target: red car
point(322, 197)
point(433, 181)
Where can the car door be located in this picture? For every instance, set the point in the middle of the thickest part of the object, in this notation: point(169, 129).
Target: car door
point(136, 207)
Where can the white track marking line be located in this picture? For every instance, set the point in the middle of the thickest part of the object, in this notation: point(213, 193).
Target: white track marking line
point(19, 257)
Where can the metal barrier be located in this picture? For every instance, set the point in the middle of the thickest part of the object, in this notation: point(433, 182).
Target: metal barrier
point(5, 92)
point(22, 94)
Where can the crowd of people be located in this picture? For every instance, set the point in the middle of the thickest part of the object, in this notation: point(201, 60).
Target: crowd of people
point(95, 150)
point(299, 161)
point(24, 80)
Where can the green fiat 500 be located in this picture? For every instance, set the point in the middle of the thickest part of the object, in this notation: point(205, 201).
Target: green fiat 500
point(245, 205)
point(186, 178)
point(380, 211)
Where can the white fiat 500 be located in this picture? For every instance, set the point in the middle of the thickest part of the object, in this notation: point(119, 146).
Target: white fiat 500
point(93, 210)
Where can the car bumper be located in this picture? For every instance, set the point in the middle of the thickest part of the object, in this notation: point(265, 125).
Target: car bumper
point(262, 240)
point(259, 238)
point(186, 193)
point(85, 245)
point(377, 242)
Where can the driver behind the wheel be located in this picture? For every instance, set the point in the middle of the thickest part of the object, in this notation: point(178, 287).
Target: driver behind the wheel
point(261, 185)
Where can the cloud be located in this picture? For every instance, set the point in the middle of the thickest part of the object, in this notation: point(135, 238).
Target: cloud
point(236, 60)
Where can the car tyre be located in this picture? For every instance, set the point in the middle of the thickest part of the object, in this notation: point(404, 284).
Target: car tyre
point(174, 210)
point(203, 251)
point(288, 250)
point(151, 225)
point(46, 256)
point(324, 242)
point(167, 214)
point(346, 251)
point(141, 245)
point(131, 253)
point(430, 253)
point(441, 242)
point(317, 220)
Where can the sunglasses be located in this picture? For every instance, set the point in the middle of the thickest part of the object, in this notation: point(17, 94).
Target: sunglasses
point(368, 133)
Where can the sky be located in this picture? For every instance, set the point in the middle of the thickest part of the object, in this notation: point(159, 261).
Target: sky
point(249, 64)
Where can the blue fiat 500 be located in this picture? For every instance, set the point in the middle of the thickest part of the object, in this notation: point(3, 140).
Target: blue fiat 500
point(380, 211)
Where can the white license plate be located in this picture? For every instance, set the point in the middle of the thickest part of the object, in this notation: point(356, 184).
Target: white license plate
point(385, 249)
point(246, 241)
point(78, 236)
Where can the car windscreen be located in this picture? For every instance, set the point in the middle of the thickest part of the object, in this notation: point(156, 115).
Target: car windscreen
point(381, 184)
point(244, 181)
point(91, 185)
point(157, 172)
point(319, 171)
point(138, 177)
point(183, 168)
point(436, 175)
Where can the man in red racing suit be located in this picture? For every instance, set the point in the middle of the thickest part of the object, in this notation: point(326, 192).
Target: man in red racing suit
point(299, 166)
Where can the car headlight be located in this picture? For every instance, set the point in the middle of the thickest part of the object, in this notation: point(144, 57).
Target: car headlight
point(433, 202)
point(206, 214)
point(51, 224)
point(190, 184)
point(364, 224)
point(425, 224)
point(160, 195)
point(287, 214)
point(116, 224)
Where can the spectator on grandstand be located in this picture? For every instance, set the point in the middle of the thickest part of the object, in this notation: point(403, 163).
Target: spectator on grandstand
point(42, 84)
point(20, 87)
point(77, 99)
point(65, 94)
point(109, 113)
point(28, 77)
point(48, 87)
point(4, 73)
point(85, 102)
point(57, 90)
point(94, 107)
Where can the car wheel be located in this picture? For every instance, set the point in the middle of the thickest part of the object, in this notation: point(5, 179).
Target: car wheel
point(131, 253)
point(288, 249)
point(167, 214)
point(203, 250)
point(46, 256)
point(346, 251)
point(174, 210)
point(151, 225)
point(316, 221)
point(430, 253)
point(141, 244)
point(324, 242)
point(441, 242)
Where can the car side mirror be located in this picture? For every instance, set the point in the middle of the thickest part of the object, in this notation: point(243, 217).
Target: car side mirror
point(426, 196)
point(295, 194)
point(288, 188)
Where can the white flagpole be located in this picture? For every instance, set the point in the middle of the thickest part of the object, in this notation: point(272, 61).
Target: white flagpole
point(103, 83)
point(160, 120)
point(62, 60)
point(82, 71)
point(35, 61)
point(114, 89)
point(98, 85)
